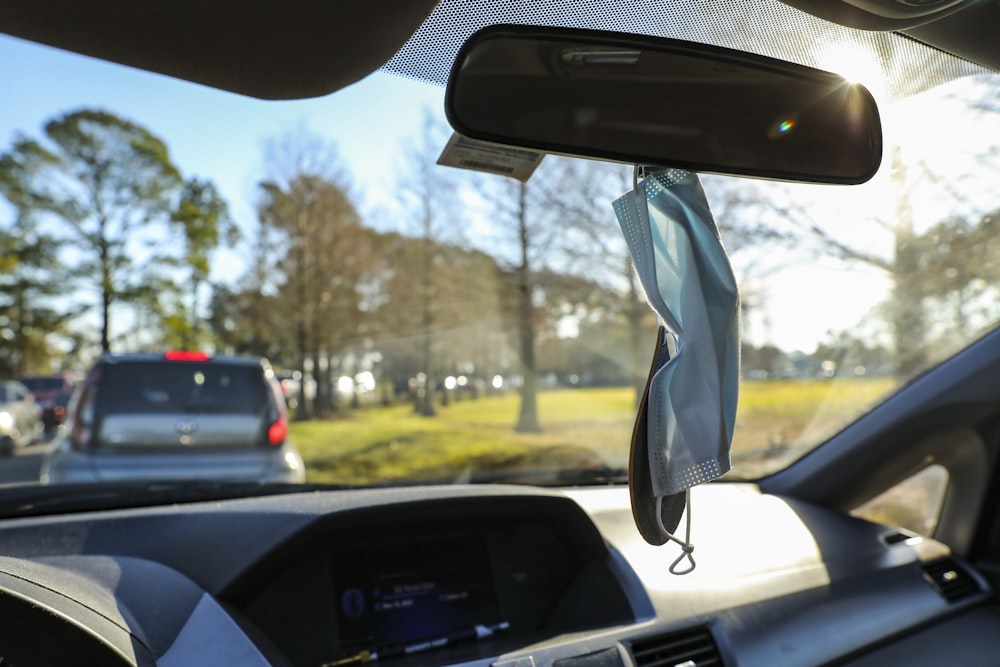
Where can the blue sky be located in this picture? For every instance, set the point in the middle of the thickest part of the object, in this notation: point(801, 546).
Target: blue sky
point(220, 135)
point(216, 134)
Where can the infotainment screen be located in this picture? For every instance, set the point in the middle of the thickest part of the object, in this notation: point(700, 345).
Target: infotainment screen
point(398, 597)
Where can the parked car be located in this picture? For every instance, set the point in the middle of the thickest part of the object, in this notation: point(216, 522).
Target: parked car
point(20, 417)
point(179, 415)
point(52, 394)
point(293, 388)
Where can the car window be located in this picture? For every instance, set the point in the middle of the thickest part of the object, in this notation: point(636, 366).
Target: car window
point(164, 388)
point(914, 503)
point(43, 384)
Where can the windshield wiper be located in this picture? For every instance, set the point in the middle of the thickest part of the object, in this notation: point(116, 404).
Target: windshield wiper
point(20, 501)
point(605, 475)
point(553, 477)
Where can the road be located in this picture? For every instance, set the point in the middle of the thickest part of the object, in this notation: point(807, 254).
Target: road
point(24, 465)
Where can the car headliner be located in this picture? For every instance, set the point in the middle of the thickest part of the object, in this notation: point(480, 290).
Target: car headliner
point(285, 49)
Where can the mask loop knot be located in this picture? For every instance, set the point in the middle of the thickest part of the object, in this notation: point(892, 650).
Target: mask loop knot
point(687, 548)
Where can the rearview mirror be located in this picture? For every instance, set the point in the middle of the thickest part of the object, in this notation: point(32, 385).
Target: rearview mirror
point(654, 101)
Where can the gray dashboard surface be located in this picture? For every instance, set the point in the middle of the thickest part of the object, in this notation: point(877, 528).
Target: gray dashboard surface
point(778, 581)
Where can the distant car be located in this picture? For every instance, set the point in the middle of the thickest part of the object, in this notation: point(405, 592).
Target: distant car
point(290, 383)
point(179, 415)
point(52, 394)
point(20, 417)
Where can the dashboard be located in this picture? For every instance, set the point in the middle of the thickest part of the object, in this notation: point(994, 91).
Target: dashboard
point(486, 576)
point(436, 582)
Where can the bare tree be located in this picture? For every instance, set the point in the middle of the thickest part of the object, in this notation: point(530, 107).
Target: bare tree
point(431, 213)
point(518, 214)
point(320, 237)
point(923, 264)
point(578, 195)
point(466, 337)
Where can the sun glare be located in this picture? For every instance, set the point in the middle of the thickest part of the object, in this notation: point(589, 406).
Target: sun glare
point(857, 65)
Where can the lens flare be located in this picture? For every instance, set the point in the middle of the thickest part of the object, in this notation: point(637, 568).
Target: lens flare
point(782, 126)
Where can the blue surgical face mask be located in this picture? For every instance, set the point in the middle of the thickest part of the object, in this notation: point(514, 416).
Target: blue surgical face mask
point(685, 427)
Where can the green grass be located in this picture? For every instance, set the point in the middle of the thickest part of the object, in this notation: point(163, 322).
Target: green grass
point(380, 444)
point(582, 428)
point(778, 413)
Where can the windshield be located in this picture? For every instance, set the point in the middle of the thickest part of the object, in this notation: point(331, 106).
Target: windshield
point(433, 323)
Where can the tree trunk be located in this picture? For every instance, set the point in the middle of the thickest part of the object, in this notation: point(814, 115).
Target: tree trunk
point(908, 318)
point(909, 325)
point(190, 340)
point(425, 393)
point(527, 420)
point(105, 296)
point(21, 363)
point(385, 390)
point(321, 402)
point(638, 363)
point(322, 405)
point(333, 375)
point(302, 410)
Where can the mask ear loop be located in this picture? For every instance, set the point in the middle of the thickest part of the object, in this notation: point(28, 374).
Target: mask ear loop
point(687, 549)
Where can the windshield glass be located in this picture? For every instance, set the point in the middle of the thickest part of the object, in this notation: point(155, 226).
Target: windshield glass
point(432, 323)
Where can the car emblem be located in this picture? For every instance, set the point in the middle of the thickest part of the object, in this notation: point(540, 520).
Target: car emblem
point(186, 427)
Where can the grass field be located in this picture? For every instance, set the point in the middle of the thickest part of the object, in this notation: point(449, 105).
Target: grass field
point(582, 428)
point(780, 413)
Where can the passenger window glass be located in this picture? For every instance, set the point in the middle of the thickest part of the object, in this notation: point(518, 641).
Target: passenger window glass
point(914, 504)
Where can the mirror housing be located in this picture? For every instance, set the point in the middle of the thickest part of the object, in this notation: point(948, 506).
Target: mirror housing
point(664, 102)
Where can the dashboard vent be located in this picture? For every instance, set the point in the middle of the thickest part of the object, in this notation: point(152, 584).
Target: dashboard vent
point(688, 648)
point(951, 580)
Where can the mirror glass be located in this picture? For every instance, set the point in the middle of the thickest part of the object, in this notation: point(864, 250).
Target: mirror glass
point(655, 101)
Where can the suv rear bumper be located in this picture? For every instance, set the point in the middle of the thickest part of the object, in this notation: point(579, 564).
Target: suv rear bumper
point(282, 464)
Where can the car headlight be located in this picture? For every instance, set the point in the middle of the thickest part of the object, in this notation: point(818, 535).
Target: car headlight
point(6, 421)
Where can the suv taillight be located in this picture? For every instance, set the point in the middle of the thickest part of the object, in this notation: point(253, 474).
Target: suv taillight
point(277, 429)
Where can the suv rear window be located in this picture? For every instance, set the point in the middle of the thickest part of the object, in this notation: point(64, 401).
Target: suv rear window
point(43, 384)
point(181, 387)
